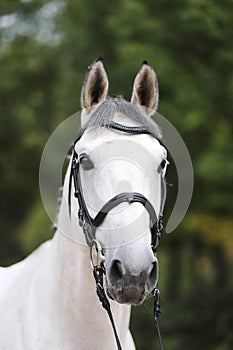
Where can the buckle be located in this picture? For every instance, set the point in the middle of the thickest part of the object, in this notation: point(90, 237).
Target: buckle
point(81, 217)
point(100, 258)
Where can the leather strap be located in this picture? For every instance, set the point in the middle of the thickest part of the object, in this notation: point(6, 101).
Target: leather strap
point(98, 272)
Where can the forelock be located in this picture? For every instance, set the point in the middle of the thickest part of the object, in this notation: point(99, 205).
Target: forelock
point(108, 109)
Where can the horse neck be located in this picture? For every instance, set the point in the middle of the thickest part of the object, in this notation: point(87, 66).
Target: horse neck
point(70, 283)
point(70, 252)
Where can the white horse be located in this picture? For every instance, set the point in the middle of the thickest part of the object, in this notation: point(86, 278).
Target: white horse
point(48, 301)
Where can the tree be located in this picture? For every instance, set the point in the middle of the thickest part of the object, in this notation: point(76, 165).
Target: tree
point(45, 49)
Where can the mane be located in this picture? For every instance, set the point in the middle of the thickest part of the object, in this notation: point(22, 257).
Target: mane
point(59, 199)
point(106, 112)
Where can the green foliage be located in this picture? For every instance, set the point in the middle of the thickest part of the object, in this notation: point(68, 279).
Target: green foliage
point(45, 48)
point(36, 229)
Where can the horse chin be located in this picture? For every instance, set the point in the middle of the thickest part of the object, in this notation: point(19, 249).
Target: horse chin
point(130, 297)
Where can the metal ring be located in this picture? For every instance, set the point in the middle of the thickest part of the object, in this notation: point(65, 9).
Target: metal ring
point(99, 254)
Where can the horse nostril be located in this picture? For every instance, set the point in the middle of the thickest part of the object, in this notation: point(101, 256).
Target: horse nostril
point(116, 273)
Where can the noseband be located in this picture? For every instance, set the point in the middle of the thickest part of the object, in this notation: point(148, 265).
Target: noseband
point(89, 224)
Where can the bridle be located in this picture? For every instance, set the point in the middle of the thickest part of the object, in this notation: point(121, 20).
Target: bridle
point(89, 224)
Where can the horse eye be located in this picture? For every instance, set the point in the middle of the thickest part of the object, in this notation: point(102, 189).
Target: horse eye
point(163, 167)
point(163, 163)
point(85, 162)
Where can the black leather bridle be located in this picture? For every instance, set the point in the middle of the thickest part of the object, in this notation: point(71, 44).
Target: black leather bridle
point(89, 224)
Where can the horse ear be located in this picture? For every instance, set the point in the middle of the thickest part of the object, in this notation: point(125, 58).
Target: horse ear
point(95, 86)
point(145, 89)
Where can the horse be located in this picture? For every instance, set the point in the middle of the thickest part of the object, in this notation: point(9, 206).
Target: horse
point(110, 215)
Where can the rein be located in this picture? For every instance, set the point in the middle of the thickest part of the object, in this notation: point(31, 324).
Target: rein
point(89, 224)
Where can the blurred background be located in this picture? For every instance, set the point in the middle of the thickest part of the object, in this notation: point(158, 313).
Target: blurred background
point(45, 48)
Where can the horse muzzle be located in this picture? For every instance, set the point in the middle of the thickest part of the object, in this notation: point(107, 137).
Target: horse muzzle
point(127, 287)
